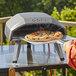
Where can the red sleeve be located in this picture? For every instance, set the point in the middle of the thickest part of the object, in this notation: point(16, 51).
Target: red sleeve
point(71, 55)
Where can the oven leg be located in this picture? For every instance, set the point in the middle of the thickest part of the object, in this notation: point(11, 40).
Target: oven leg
point(16, 51)
point(59, 51)
point(48, 49)
point(29, 54)
point(44, 48)
point(33, 47)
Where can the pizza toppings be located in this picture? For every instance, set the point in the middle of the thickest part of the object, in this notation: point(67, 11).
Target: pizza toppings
point(51, 34)
point(44, 36)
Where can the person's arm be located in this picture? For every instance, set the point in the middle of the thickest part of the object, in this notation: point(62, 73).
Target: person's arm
point(70, 49)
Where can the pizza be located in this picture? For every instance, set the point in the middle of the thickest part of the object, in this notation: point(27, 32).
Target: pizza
point(44, 36)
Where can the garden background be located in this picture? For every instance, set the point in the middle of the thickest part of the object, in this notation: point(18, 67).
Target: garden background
point(64, 10)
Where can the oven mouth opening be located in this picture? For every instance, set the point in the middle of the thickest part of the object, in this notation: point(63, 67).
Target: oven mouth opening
point(27, 29)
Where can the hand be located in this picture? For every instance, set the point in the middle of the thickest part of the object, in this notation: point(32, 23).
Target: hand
point(67, 44)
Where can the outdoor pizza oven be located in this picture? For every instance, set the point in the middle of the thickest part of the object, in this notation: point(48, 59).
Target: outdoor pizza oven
point(24, 23)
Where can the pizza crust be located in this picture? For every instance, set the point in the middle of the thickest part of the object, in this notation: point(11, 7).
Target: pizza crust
point(33, 37)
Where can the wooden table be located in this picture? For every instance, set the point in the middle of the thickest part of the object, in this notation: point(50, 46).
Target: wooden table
point(36, 58)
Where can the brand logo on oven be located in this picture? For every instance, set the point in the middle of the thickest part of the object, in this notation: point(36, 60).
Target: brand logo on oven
point(39, 19)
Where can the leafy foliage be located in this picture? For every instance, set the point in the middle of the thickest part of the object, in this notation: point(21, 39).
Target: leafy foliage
point(55, 14)
point(68, 14)
point(11, 7)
